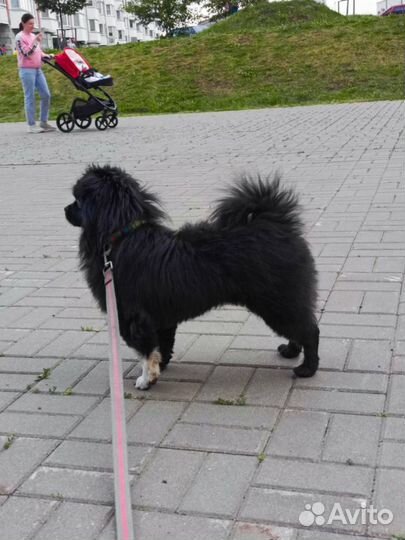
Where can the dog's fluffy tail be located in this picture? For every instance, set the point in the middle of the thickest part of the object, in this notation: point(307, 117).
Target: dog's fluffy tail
point(252, 198)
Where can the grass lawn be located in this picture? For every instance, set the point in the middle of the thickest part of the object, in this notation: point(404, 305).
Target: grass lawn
point(272, 54)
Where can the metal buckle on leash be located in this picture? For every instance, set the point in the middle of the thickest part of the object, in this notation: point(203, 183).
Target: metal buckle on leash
point(108, 265)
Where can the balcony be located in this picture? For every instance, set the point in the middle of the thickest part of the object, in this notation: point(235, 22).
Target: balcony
point(94, 38)
point(3, 14)
point(92, 13)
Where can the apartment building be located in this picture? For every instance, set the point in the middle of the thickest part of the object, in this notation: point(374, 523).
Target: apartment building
point(101, 22)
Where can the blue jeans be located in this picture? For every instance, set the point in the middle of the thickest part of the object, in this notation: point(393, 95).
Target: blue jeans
point(34, 79)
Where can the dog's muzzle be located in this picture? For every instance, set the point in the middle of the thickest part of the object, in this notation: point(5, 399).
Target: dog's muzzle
point(73, 215)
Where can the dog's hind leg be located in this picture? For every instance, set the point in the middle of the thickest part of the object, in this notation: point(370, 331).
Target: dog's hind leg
point(301, 335)
point(166, 343)
point(291, 350)
point(311, 359)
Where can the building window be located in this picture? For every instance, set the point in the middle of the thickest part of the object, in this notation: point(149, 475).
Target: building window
point(118, 15)
point(92, 24)
point(110, 31)
point(119, 34)
point(76, 20)
point(108, 8)
point(138, 27)
point(15, 3)
point(100, 7)
point(44, 14)
point(101, 29)
point(131, 24)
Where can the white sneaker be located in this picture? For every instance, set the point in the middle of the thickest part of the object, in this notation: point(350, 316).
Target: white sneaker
point(46, 127)
point(35, 129)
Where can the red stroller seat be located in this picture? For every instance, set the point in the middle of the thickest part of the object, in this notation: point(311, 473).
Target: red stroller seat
point(77, 67)
point(72, 63)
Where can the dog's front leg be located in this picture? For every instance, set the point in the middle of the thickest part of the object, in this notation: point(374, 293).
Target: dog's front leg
point(150, 371)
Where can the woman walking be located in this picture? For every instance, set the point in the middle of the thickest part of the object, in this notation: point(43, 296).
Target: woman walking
point(30, 57)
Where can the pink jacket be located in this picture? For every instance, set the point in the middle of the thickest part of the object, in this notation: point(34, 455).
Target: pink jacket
point(28, 51)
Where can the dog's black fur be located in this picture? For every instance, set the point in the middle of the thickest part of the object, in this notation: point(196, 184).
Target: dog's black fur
point(251, 252)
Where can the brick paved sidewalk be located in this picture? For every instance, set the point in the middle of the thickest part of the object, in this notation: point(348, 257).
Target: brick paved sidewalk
point(200, 470)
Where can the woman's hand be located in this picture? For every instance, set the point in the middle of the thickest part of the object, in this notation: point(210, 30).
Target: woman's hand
point(38, 37)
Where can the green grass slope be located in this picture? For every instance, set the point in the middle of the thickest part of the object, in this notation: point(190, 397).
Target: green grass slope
point(282, 53)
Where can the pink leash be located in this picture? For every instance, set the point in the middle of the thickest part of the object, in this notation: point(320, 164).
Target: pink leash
point(123, 512)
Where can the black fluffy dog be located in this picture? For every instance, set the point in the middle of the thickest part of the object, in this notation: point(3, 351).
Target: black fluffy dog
point(250, 252)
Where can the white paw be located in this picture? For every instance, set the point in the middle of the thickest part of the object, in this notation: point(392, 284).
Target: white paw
point(142, 383)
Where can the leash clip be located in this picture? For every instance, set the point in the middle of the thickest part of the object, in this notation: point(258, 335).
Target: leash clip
point(108, 265)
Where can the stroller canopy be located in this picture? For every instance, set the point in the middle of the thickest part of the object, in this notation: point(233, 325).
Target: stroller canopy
point(72, 63)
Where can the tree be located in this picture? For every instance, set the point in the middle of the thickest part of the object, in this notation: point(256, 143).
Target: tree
point(219, 8)
point(165, 13)
point(61, 7)
point(223, 8)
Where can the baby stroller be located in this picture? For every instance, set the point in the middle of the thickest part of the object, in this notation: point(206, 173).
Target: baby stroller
point(86, 79)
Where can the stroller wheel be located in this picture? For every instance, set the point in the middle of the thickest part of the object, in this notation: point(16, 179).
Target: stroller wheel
point(101, 123)
point(65, 122)
point(111, 119)
point(83, 123)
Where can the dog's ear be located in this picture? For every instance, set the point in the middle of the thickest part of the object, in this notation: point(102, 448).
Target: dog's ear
point(111, 200)
point(88, 212)
point(116, 207)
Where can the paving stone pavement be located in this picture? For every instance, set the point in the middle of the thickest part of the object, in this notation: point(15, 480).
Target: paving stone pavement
point(200, 470)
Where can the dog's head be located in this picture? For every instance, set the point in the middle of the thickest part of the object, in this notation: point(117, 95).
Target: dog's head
point(107, 199)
